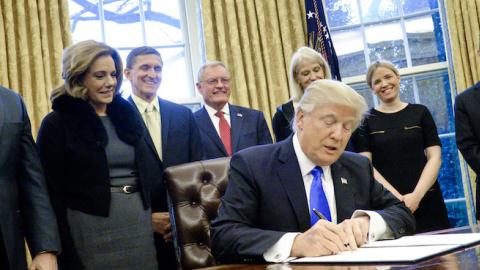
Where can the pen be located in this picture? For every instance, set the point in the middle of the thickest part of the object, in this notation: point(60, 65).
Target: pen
point(319, 215)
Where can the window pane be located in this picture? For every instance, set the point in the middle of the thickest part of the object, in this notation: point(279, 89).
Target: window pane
point(122, 23)
point(175, 83)
point(365, 92)
point(350, 52)
point(385, 41)
point(450, 177)
point(457, 213)
point(434, 92)
point(375, 10)
point(406, 90)
point(84, 20)
point(425, 39)
point(412, 6)
point(342, 12)
point(162, 23)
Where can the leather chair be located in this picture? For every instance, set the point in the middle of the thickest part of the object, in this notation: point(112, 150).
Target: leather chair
point(194, 191)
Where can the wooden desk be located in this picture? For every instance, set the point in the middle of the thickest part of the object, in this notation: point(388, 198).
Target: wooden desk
point(468, 258)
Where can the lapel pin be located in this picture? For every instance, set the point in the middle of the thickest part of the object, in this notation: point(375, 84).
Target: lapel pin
point(239, 115)
point(344, 181)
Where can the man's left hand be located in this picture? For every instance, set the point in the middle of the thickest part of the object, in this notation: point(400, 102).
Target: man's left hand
point(44, 261)
point(356, 230)
point(161, 224)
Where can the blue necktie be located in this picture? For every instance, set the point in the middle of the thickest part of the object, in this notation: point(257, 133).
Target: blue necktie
point(318, 200)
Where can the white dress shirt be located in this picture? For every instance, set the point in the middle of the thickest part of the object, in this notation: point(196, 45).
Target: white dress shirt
point(215, 120)
point(378, 228)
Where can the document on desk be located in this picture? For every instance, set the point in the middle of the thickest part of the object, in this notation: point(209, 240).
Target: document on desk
point(402, 250)
point(462, 239)
point(380, 255)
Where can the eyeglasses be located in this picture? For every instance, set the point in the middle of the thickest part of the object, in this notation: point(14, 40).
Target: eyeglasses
point(214, 81)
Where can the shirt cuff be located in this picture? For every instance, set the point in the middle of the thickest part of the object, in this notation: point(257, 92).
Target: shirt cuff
point(378, 228)
point(280, 251)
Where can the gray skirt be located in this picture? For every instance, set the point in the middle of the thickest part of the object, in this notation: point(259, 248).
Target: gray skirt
point(123, 240)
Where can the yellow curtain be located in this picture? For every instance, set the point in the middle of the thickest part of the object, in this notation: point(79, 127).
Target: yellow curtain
point(255, 39)
point(33, 34)
point(463, 25)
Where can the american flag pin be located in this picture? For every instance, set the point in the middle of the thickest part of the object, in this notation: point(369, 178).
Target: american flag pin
point(344, 181)
point(239, 115)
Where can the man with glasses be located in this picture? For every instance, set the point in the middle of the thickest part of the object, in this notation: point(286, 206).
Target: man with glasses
point(225, 128)
point(306, 196)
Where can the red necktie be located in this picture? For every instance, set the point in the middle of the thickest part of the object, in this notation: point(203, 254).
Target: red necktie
point(225, 132)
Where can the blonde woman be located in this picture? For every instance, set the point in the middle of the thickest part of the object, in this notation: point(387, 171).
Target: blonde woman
point(306, 66)
point(402, 142)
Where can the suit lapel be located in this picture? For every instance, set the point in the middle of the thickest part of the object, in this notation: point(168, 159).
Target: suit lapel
point(147, 138)
point(165, 116)
point(344, 196)
point(292, 181)
point(205, 123)
point(236, 122)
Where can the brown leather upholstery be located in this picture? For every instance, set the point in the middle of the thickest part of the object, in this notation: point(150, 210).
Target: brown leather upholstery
point(194, 192)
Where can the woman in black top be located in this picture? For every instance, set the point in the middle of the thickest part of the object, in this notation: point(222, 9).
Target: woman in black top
point(306, 66)
point(98, 165)
point(401, 140)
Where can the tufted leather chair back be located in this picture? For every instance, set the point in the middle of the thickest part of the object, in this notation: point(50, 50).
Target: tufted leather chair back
point(194, 192)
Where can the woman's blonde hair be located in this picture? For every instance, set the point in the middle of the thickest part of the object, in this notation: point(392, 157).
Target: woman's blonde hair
point(302, 55)
point(77, 59)
point(378, 64)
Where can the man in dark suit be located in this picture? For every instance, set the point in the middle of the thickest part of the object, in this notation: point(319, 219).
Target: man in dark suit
point(174, 137)
point(225, 128)
point(25, 209)
point(267, 210)
point(467, 130)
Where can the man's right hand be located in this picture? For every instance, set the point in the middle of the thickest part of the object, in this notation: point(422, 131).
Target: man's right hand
point(324, 238)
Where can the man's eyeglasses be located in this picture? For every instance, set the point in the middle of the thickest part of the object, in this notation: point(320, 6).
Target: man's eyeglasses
point(214, 81)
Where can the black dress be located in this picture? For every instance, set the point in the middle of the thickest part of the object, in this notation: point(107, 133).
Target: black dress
point(397, 142)
point(282, 119)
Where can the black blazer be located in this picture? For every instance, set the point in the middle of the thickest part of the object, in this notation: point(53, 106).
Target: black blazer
point(282, 121)
point(265, 198)
point(72, 142)
point(467, 129)
point(248, 128)
point(25, 209)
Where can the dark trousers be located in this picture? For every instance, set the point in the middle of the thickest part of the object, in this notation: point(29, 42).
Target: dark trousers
point(165, 254)
point(3, 255)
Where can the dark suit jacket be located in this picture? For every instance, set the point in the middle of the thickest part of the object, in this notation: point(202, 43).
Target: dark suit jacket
point(281, 121)
point(467, 129)
point(248, 128)
point(180, 141)
point(265, 198)
point(72, 142)
point(25, 209)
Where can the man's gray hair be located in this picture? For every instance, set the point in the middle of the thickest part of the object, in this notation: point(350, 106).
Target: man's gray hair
point(323, 92)
point(209, 64)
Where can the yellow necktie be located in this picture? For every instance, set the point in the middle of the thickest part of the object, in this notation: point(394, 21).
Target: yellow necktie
point(152, 121)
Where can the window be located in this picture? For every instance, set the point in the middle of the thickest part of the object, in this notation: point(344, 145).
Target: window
point(410, 34)
point(169, 26)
